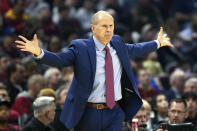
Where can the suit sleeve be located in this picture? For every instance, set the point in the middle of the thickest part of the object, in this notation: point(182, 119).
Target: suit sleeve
point(64, 58)
point(135, 50)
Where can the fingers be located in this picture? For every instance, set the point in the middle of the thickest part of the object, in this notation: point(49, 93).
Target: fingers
point(20, 46)
point(23, 38)
point(19, 42)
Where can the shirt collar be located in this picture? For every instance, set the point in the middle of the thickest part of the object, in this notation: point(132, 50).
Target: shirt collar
point(99, 45)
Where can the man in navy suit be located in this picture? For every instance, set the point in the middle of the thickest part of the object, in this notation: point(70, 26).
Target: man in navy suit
point(103, 92)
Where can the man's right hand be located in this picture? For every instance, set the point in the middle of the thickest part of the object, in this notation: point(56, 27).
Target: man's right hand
point(29, 46)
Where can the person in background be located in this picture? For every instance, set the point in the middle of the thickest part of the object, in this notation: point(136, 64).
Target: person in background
point(191, 85)
point(191, 100)
point(160, 107)
point(4, 117)
point(44, 113)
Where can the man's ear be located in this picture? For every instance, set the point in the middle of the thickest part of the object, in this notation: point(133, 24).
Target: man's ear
point(92, 27)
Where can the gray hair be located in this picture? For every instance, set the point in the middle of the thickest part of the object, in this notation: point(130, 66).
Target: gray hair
point(41, 104)
point(97, 15)
point(49, 72)
point(34, 79)
point(175, 74)
point(190, 80)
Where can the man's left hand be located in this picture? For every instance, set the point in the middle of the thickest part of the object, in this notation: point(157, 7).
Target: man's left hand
point(163, 39)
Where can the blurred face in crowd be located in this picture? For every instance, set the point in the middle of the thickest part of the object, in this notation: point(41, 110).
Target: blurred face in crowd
point(4, 113)
point(55, 77)
point(4, 63)
point(41, 84)
point(103, 27)
point(179, 82)
point(19, 75)
point(141, 116)
point(191, 104)
point(62, 97)
point(161, 104)
point(191, 87)
point(177, 113)
point(144, 77)
point(4, 94)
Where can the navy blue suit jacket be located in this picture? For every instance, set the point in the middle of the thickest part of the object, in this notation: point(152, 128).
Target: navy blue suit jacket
point(82, 55)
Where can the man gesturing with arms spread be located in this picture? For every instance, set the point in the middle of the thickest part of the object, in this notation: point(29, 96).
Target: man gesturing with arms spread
point(103, 91)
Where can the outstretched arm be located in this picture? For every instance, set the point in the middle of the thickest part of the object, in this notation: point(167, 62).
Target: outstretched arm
point(29, 46)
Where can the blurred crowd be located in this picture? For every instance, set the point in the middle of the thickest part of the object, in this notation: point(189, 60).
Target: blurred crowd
point(163, 78)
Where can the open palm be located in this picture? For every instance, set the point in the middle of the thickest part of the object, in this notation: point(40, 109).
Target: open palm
point(163, 39)
point(28, 46)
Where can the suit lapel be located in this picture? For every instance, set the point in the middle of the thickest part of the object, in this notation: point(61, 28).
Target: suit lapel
point(92, 55)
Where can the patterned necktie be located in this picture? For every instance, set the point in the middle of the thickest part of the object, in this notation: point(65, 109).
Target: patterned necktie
point(109, 74)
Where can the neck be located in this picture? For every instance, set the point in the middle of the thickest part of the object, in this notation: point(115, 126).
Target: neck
point(162, 114)
point(43, 120)
point(31, 93)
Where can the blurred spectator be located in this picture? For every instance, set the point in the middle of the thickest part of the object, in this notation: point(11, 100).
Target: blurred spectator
point(4, 95)
point(146, 91)
point(177, 111)
point(153, 65)
point(191, 85)
point(54, 44)
point(16, 82)
point(141, 117)
point(144, 12)
point(61, 94)
point(191, 100)
point(160, 107)
point(67, 25)
point(44, 112)
point(16, 17)
point(31, 67)
point(177, 81)
point(149, 114)
point(8, 47)
point(4, 117)
point(4, 63)
point(87, 11)
point(5, 5)
point(53, 77)
point(24, 100)
point(182, 11)
point(47, 92)
point(48, 26)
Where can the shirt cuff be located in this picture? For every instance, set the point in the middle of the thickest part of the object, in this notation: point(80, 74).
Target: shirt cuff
point(39, 56)
point(158, 44)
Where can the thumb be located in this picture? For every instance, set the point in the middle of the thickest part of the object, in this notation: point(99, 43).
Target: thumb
point(160, 32)
point(35, 38)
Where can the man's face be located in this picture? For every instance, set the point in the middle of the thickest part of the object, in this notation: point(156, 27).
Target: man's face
point(191, 104)
point(41, 84)
point(141, 116)
point(177, 113)
point(19, 75)
point(4, 63)
point(56, 77)
point(144, 77)
point(4, 113)
point(191, 87)
point(4, 94)
point(104, 29)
